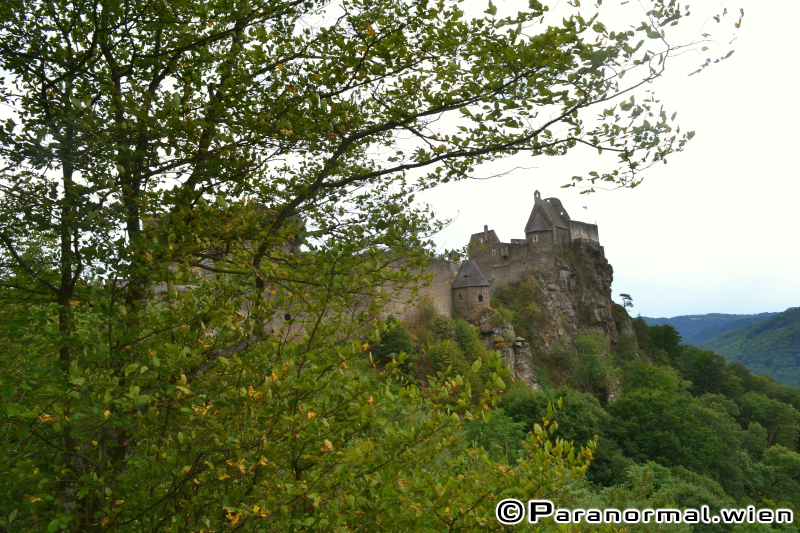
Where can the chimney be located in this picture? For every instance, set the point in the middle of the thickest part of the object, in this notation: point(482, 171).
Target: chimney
point(485, 233)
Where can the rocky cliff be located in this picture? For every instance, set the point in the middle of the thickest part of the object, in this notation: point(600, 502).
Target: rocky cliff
point(551, 309)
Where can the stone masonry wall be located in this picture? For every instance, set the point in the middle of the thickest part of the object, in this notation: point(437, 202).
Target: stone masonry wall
point(403, 303)
point(468, 302)
point(584, 231)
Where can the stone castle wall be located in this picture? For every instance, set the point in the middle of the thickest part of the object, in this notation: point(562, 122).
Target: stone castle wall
point(436, 289)
point(468, 302)
point(582, 231)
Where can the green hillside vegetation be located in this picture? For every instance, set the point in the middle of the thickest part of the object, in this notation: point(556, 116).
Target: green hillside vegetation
point(696, 329)
point(685, 428)
point(771, 347)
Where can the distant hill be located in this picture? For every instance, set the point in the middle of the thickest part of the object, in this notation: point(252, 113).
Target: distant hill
point(697, 329)
point(770, 347)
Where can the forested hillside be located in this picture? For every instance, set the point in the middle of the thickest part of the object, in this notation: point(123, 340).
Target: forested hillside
point(771, 347)
point(697, 329)
point(675, 425)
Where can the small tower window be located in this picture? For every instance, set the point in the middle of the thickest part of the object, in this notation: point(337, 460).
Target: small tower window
point(494, 252)
point(535, 238)
point(466, 275)
point(524, 263)
point(480, 297)
point(460, 296)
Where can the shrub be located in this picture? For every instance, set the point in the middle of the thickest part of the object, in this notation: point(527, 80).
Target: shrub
point(396, 339)
point(500, 436)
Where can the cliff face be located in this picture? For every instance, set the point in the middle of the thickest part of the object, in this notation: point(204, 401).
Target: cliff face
point(552, 309)
point(500, 335)
point(573, 297)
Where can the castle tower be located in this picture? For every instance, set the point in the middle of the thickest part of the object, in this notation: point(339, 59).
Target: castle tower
point(470, 291)
point(548, 226)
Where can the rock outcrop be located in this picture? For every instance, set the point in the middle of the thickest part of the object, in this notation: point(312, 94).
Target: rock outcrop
point(499, 335)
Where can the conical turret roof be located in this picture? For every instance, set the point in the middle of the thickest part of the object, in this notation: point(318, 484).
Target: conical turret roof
point(469, 275)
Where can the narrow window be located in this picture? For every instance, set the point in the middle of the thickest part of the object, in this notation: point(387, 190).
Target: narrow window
point(460, 296)
point(480, 297)
point(481, 240)
point(494, 252)
point(524, 263)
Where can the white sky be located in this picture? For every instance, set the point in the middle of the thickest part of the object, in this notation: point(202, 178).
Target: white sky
point(714, 229)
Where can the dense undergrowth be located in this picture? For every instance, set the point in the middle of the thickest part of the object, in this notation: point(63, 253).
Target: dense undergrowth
point(677, 426)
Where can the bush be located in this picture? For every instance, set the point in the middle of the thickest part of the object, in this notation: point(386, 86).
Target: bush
point(609, 465)
point(396, 339)
point(579, 418)
point(500, 436)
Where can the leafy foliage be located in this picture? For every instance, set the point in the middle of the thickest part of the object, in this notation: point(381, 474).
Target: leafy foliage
point(203, 206)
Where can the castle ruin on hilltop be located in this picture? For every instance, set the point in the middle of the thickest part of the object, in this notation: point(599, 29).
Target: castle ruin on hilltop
point(467, 289)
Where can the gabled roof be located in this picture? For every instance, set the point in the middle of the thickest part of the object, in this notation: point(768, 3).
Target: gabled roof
point(538, 224)
point(550, 214)
point(469, 275)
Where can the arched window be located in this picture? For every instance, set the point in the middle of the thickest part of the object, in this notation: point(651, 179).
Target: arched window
point(494, 252)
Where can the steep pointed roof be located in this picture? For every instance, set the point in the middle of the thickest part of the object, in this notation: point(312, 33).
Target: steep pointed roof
point(547, 211)
point(469, 275)
point(553, 215)
point(538, 223)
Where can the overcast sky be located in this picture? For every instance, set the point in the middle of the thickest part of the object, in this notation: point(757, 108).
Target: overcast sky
point(714, 230)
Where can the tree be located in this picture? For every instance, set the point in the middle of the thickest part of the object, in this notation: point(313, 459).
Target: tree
point(627, 301)
point(661, 426)
point(782, 421)
point(708, 372)
point(666, 338)
point(148, 140)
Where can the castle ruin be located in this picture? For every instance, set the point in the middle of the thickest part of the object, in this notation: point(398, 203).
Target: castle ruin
point(467, 289)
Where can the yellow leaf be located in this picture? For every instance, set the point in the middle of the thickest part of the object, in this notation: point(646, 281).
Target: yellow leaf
point(106, 413)
point(223, 477)
point(328, 445)
point(74, 302)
